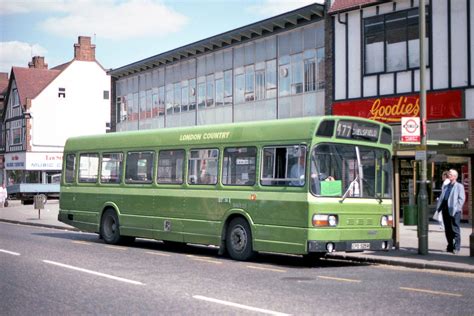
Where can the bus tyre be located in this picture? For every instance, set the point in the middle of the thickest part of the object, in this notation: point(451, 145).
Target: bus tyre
point(239, 240)
point(110, 228)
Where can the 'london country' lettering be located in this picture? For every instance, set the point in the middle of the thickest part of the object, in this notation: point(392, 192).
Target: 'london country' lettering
point(393, 112)
point(204, 136)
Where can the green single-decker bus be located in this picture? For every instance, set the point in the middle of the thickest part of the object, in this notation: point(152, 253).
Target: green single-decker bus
point(306, 186)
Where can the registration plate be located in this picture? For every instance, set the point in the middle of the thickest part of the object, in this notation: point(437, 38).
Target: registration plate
point(360, 245)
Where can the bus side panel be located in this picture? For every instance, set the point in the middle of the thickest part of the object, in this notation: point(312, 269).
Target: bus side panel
point(280, 239)
point(280, 220)
point(204, 213)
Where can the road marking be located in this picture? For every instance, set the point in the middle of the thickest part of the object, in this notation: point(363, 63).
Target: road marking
point(430, 292)
point(157, 253)
point(10, 252)
point(339, 279)
point(116, 247)
point(108, 276)
point(268, 269)
point(249, 308)
point(440, 272)
point(81, 242)
point(207, 260)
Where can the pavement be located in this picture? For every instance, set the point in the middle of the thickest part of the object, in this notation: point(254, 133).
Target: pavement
point(407, 255)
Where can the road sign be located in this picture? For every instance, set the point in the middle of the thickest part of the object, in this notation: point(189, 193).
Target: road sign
point(411, 130)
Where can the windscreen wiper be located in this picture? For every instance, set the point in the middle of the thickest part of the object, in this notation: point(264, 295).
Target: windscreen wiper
point(351, 186)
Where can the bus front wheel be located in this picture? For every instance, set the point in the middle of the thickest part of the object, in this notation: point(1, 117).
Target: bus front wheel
point(239, 240)
point(110, 228)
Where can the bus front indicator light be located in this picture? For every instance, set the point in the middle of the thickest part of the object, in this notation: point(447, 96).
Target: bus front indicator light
point(324, 220)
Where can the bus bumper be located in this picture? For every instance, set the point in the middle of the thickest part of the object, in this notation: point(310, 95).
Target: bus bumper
point(349, 246)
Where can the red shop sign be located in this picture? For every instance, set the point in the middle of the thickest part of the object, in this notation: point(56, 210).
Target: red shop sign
point(439, 106)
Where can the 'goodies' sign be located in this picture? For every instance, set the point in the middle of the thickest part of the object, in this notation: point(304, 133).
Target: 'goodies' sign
point(439, 105)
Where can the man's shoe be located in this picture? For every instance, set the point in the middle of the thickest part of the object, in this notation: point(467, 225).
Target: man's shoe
point(456, 251)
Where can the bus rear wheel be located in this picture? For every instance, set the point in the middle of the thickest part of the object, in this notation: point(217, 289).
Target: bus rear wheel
point(239, 240)
point(110, 228)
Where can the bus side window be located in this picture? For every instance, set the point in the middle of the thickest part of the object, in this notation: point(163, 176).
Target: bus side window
point(70, 168)
point(284, 165)
point(88, 167)
point(203, 166)
point(111, 171)
point(139, 167)
point(239, 166)
point(170, 166)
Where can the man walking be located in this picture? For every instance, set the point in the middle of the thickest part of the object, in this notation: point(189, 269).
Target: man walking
point(450, 204)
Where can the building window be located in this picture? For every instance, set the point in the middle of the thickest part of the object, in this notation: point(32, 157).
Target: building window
point(391, 42)
point(192, 94)
point(219, 91)
point(177, 97)
point(15, 100)
point(62, 93)
point(297, 74)
point(161, 101)
point(285, 76)
point(228, 87)
point(210, 91)
point(249, 83)
point(271, 78)
point(260, 85)
point(106, 94)
point(16, 136)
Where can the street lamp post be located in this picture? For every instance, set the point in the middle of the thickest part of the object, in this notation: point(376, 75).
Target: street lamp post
point(423, 193)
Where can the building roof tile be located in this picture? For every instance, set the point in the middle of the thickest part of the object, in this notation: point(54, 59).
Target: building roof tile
point(345, 5)
point(31, 81)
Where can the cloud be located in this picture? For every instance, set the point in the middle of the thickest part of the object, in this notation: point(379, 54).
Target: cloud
point(18, 54)
point(276, 7)
point(28, 6)
point(112, 19)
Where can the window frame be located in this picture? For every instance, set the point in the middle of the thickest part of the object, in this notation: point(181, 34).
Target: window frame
point(384, 32)
point(74, 169)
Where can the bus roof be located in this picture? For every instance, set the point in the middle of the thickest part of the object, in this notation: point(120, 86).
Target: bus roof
point(276, 131)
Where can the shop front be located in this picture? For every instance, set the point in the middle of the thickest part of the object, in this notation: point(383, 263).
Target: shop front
point(447, 142)
point(30, 173)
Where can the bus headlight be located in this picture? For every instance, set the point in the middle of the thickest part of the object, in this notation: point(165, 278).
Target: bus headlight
point(324, 220)
point(386, 220)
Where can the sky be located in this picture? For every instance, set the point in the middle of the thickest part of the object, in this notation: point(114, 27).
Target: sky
point(124, 31)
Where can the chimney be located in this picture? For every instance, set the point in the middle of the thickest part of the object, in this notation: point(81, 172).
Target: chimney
point(84, 50)
point(38, 63)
